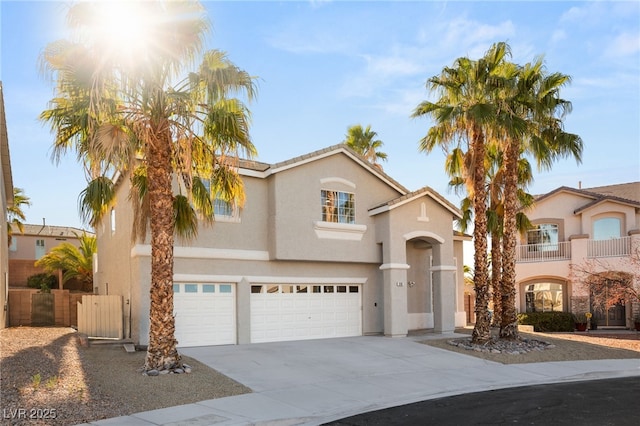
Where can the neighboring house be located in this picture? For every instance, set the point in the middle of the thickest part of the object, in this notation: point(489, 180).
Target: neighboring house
point(6, 200)
point(36, 241)
point(326, 246)
point(591, 228)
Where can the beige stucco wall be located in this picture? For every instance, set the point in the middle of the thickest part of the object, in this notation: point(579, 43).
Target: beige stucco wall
point(296, 207)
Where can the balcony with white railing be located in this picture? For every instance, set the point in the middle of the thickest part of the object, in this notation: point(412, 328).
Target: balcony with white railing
point(547, 252)
point(614, 247)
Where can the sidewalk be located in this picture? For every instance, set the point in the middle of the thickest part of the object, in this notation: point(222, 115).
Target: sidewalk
point(317, 381)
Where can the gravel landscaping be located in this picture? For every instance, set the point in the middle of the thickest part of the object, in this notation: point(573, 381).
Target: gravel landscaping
point(48, 378)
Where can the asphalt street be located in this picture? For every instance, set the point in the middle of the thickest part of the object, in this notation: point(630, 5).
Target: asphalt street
point(611, 402)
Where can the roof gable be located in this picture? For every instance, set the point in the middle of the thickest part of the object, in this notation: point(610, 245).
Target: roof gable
point(627, 194)
point(262, 170)
point(407, 198)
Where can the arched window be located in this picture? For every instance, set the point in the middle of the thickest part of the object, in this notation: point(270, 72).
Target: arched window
point(544, 297)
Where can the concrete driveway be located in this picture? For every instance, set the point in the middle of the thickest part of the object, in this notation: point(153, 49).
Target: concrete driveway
point(316, 381)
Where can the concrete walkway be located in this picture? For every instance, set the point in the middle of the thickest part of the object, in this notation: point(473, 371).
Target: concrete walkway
point(316, 381)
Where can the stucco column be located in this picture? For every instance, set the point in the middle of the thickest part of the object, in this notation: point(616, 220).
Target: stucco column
point(395, 299)
point(243, 311)
point(444, 289)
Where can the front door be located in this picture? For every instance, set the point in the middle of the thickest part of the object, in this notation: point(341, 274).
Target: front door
point(614, 317)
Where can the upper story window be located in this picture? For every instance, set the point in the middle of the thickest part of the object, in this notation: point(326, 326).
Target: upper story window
point(40, 249)
point(113, 221)
point(338, 206)
point(607, 228)
point(14, 244)
point(544, 233)
point(220, 206)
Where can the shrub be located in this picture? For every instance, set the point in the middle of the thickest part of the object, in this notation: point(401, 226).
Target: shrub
point(42, 280)
point(548, 321)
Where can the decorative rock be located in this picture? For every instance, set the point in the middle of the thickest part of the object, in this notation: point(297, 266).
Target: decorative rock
point(153, 373)
point(165, 371)
point(178, 371)
point(186, 366)
point(496, 346)
point(187, 369)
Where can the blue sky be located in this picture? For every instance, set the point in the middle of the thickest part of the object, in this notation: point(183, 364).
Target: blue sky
point(326, 65)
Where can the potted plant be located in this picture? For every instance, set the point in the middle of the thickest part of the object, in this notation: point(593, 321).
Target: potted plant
point(581, 320)
point(636, 322)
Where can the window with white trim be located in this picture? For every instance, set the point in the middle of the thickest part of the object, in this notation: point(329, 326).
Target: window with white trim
point(338, 206)
point(221, 207)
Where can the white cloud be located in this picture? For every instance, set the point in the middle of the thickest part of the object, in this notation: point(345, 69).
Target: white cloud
point(623, 45)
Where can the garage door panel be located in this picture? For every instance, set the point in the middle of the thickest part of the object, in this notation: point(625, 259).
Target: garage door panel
point(280, 313)
point(206, 316)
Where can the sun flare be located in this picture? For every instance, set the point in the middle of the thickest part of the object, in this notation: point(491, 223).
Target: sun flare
point(124, 29)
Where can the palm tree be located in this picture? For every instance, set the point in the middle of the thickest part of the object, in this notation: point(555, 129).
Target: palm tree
point(466, 111)
point(364, 143)
point(457, 168)
point(74, 262)
point(535, 100)
point(15, 215)
point(122, 110)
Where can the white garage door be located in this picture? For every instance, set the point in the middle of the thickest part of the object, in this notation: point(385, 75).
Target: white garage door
point(205, 314)
point(297, 312)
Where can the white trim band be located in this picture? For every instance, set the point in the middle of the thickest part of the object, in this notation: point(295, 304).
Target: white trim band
point(443, 268)
point(205, 253)
point(260, 279)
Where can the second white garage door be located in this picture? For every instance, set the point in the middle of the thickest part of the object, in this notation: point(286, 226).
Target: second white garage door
point(282, 312)
point(205, 314)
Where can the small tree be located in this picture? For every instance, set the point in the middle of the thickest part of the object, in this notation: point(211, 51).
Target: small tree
point(15, 215)
point(75, 263)
point(610, 284)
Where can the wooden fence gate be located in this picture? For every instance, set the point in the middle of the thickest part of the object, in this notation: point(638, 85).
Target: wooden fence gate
point(100, 316)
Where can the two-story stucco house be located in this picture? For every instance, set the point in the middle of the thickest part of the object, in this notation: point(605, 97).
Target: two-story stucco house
point(6, 199)
point(325, 246)
point(597, 228)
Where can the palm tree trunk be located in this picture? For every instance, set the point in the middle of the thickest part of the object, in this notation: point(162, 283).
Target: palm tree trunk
point(496, 278)
point(509, 323)
point(162, 353)
point(481, 331)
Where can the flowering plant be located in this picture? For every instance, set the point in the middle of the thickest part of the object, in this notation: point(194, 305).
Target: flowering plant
point(582, 317)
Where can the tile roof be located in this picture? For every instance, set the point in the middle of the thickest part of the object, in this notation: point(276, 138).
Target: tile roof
point(52, 231)
point(626, 193)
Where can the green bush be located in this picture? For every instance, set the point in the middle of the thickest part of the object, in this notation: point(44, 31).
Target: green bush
point(42, 280)
point(548, 321)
